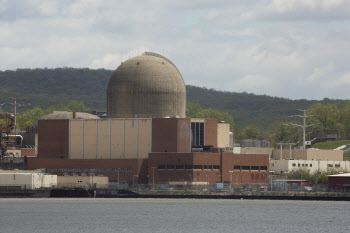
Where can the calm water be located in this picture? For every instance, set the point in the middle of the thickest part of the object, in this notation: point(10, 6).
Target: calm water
point(164, 215)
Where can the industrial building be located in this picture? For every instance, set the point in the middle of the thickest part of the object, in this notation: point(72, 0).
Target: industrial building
point(339, 182)
point(146, 137)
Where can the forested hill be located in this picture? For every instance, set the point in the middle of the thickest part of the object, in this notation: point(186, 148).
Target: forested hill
point(47, 87)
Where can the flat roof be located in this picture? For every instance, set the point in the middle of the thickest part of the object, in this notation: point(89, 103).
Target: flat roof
point(341, 175)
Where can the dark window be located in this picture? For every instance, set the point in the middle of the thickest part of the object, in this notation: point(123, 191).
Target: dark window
point(263, 168)
point(293, 164)
point(298, 164)
point(236, 167)
point(330, 165)
point(245, 168)
point(337, 165)
point(189, 167)
point(197, 167)
point(255, 168)
point(180, 167)
point(216, 167)
point(161, 167)
point(207, 167)
point(310, 164)
point(197, 131)
point(170, 166)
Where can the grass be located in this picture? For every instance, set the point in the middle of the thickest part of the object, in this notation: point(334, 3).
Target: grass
point(330, 145)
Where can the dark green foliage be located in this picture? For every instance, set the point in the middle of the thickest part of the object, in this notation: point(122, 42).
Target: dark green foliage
point(48, 87)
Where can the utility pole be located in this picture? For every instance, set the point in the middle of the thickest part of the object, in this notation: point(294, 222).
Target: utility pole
point(303, 126)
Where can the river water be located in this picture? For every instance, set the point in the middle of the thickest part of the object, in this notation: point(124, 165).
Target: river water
point(172, 215)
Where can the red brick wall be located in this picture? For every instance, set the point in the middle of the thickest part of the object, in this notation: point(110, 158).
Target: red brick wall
point(171, 135)
point(210, 132)
point(229, 160)
point(164, 176)
point(138, 166)
point(338, 181)
point(53, 138)
point(164, 136)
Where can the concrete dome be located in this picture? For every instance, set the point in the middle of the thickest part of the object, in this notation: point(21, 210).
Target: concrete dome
point(146, 86)
point(68, 115)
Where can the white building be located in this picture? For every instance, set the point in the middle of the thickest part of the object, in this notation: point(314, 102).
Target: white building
point(27, 180)
point(284, 166)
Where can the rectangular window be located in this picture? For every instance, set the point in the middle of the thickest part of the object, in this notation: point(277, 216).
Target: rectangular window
point(302, 165)
point(263, 168)
point(255, 168)
point(161, 167)
point(189, 167)
point(198, 167)
point(236, 167)
point(306, 165)
point(216, 167)
point(245, 168)
point(310, 164)
point(170, 166)
point(337, 165)
point(330, 165)
point(298, 164)
point(208, 167)
point(180, 167)
point(293, 164)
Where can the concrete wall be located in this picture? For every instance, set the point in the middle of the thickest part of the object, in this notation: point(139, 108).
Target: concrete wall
point(255, 150)
point(28, 180)
point(109, 168)
point(211, 132)
point(283, 166)
point(110, 138)
point(333, 155)
point(82, 181)
point(223, 135)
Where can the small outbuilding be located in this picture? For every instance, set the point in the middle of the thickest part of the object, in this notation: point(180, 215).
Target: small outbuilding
point(339, 182)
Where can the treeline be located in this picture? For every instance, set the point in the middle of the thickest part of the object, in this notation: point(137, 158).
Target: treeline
point(29, 116)
point(44, 88)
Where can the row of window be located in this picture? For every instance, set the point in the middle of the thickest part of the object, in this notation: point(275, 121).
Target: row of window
point(188, 167)
point(89, 169)
point(249, 168)
point(306, 165)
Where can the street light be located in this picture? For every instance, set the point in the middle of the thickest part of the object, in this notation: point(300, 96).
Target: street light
point(231, 180)
point(153, 176)
point(133, 183)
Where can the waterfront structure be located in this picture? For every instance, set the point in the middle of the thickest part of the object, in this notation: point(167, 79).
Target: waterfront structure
point(20, 181)
point(146, 137)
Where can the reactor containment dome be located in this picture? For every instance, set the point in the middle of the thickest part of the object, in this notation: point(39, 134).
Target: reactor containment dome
point(146, 86)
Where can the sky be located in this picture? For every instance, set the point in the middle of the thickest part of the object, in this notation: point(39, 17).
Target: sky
point(297, 49)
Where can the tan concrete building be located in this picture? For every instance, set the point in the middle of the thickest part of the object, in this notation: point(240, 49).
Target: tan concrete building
point(310, 154)
point(284, 166)
point(82, 181)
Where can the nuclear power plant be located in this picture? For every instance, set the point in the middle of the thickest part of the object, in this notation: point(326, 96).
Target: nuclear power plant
point(146, 137)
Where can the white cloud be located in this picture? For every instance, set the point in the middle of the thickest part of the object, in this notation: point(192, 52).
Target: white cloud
point(279, 48)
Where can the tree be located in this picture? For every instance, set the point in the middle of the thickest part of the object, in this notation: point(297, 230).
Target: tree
point(250, 132)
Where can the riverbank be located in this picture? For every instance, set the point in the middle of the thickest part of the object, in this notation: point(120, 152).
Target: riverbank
point(177, 194)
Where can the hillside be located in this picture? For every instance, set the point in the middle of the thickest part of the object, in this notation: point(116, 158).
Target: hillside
point(47, 87)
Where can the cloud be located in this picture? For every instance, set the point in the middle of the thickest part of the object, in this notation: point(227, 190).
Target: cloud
point(279, 48)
